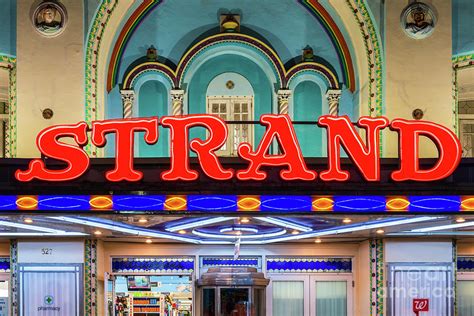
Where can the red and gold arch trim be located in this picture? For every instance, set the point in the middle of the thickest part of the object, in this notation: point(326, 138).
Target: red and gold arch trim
point(315, 7)
point(176, 76)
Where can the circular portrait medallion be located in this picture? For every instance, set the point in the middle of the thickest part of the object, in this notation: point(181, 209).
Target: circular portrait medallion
point(418, 20)
point(49, 18)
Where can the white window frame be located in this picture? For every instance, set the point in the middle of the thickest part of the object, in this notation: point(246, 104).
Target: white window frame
point(230, 100)
point(309, 284)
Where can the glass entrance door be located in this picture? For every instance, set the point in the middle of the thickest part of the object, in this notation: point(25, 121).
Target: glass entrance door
point(310, 295)
point(235, 301)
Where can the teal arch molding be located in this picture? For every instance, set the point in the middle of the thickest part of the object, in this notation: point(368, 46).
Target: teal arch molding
point(237, 41)
point(375, 56)
point(148, 5)
point(94, 40)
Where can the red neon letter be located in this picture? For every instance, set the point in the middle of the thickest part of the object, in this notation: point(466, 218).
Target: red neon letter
point(341, 132)
point(279, 127)
point(449, 148)
point(49, 145)
point(179, 128)
point(124, 140)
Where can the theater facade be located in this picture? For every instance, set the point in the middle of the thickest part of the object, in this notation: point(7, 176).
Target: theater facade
point(204, 158)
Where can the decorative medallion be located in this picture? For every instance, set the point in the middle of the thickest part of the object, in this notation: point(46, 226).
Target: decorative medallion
point(418, 20)
point(49, 18)
point(230, 84)
point(418, 114)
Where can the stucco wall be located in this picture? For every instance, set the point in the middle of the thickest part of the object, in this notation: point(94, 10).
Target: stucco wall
point(50, 75)
point(419, 73)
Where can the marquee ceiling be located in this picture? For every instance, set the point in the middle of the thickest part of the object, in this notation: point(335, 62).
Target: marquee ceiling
point(234, 229)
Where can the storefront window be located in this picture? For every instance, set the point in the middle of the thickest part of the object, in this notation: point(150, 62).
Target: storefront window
point(153, 295)
point(465, 298)
point(331, 298)
point(288, 298)
point(4, 301)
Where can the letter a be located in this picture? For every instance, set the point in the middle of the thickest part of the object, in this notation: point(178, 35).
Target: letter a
point(279, 127)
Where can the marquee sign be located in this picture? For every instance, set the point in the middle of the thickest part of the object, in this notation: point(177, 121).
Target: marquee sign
point(341, 132)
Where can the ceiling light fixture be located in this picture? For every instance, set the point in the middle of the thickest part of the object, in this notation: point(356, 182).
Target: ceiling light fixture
point(199, 223)
point(137, 231)
point(284, 223)
point(442, 227)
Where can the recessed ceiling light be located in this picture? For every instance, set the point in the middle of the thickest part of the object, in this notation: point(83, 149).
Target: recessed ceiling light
point(148, 241)
point(143, 220)
point(295, 232)
point(245, 220)
point(97, 233)
point(182, 232)
point(28, 220)
point(380, 231)
point(460, 220)
point(347, 220)
point(318, 240)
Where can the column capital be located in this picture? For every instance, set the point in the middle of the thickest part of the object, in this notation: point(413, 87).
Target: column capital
point(333, 93)
point(128, 99)
point(333, 96)
point(284, 93)
point(283, 100)
point(177, 98)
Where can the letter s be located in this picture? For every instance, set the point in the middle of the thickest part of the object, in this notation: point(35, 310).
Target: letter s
point(49, 145)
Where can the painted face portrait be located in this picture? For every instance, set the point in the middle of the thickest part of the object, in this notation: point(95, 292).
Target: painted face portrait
point(49, 19)
point(418, 21)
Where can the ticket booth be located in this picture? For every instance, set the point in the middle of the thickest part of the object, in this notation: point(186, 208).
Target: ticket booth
point(232, 291)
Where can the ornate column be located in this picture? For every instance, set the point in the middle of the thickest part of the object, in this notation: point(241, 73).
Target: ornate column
point(128, 99)
point(177, 97)
point(333, 97)
point(283, 101)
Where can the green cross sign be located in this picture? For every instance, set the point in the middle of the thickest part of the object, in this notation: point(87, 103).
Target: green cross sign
point(48, 299)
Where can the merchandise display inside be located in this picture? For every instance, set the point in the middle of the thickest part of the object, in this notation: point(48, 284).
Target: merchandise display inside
point(139, 295)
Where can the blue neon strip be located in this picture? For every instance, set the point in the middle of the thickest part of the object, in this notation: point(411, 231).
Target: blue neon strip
point(285, 203)
point(63, 203)
point(278, 204)
point(359, 203)
point(435, 203)
point(8, 202)
point(212, 203)
point(309, 265)
point(138, 202)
